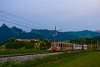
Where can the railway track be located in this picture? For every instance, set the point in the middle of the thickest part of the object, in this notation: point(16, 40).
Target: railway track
point(13, 55)
point(24, 57)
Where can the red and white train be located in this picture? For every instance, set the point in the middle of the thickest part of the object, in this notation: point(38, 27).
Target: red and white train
point(62, 46)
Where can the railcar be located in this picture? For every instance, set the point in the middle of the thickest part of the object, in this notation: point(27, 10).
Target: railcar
point(62, 46)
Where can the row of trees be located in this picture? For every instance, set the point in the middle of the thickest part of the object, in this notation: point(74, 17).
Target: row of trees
point(85, 41)
point(13, 44)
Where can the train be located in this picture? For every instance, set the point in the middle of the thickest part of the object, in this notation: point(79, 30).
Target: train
point(63, 46)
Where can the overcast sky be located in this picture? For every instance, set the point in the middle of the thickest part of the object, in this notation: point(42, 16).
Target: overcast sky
point(67, 15)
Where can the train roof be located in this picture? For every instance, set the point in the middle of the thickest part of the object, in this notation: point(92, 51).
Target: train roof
point(61, 42)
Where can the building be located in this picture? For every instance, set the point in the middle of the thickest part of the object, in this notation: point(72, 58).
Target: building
point(27, 40)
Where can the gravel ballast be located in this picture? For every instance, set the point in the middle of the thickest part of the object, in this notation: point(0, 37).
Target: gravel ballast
point(25, 57)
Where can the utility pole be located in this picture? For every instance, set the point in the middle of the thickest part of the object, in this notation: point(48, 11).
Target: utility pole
point(55, 33)
point(82, 42)
point(91, 42)
point(55, 28)
point(97, 45)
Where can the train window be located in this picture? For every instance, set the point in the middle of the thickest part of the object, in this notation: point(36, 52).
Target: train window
point(65, 45)
point(58, 45)
point(53, 44)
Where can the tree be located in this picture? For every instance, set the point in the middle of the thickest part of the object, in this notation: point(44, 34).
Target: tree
point(14, 45)
point(43, 45)
point(29, 45)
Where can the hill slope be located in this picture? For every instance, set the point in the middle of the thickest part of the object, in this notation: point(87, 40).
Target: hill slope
point(6, 32)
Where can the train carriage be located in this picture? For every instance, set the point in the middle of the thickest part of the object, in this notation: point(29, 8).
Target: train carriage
point(62, 46)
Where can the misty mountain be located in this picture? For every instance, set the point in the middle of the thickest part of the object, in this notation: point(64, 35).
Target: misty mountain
point(6, 33)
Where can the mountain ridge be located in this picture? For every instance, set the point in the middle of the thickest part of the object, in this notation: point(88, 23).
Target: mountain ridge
point(6, 33)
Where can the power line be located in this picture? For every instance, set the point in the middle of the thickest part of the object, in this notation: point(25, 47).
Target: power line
point(18, 25)
point(23, 18)
point(17, 21)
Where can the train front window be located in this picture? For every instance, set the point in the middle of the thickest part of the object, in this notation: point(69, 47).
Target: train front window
point(53, 45)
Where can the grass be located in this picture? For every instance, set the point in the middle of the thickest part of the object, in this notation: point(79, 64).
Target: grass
point(14, 51)
point(74, 59)
point(84, 59)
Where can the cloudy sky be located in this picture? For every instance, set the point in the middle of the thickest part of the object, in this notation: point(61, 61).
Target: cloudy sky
point(67, 15)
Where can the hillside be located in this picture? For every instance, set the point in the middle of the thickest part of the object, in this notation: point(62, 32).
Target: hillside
point(6, 33)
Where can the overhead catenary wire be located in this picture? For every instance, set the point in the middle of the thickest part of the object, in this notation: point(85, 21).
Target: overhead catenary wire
point(19, 25)
point(18, 21)
point(23, 19)
point(14, 23)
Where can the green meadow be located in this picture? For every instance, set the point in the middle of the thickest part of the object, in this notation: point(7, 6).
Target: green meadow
point(83, 59)
point(74, 59)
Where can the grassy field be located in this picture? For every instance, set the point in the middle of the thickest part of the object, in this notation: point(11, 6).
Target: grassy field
point(14, 51)
point(74, 59)
point(84, 59)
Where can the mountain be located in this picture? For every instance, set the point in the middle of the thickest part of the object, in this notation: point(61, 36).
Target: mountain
point(67, 35)
point(6, 33)
point(98, 31)
point(85, 34)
